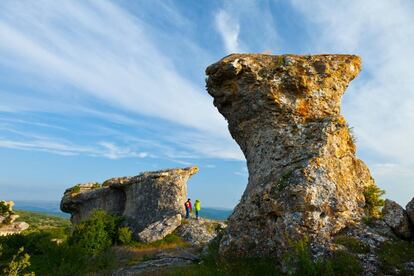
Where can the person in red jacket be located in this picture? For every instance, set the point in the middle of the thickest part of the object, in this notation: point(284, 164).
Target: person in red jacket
point(188, 208)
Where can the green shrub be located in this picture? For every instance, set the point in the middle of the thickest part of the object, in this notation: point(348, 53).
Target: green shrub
point(97, 233)
point(19, 264)
point(351, 133)
point(50, 258)
point(373, 200)
point(124, 235)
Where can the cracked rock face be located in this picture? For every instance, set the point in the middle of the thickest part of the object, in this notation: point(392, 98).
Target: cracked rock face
point(150, 198)
point(304, 177)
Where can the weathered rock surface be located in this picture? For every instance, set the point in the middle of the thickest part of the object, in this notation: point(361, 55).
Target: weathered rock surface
point(304, 177)
point(410, 211)
point(142, 200)
point(396, 218)
point(13, 228)
point(200, 232)
point(159, 229)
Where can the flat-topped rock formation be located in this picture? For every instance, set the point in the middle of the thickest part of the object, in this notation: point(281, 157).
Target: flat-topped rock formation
point(147, 200)
point(304, 177)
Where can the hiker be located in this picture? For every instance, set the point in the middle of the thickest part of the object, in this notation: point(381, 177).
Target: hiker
point(197, 207)
point(188, 208)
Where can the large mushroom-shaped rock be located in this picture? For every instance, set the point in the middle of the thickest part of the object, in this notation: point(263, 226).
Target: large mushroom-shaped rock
point(142, 200)
point(397, 219)
point(304, 177)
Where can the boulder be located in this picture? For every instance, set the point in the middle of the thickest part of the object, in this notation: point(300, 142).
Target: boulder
point(200, 232)
point(304, 177)
point(159, 229)
point(142, 200)
point(410, 211)
point(397, 219)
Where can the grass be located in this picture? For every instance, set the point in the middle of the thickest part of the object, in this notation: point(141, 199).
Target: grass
point(298, 261)
point(170, 241)
point(352, 244)
point(394, 254)
point(41, 220)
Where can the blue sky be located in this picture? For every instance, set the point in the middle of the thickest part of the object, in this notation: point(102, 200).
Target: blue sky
point(95, 89)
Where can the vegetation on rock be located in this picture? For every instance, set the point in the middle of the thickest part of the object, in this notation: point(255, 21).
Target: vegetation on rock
point(352, 244)
point(373, 200)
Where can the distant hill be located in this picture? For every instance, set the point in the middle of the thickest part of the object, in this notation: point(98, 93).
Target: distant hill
point(52, 208)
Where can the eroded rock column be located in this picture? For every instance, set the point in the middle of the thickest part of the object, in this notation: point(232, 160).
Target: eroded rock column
point(304, 177)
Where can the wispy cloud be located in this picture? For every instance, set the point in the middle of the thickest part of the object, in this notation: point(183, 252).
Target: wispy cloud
point(103, 149)
point(229, 30)
point(77, 55)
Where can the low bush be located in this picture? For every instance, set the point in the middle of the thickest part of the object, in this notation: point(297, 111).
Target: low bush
point(18, 265)
point(124, 235)
point(97, 233)
point(83, 253)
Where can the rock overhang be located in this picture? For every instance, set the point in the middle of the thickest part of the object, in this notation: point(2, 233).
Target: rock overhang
point(309, 86)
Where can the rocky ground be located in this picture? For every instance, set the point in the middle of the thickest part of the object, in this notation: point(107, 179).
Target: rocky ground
point(195, 233)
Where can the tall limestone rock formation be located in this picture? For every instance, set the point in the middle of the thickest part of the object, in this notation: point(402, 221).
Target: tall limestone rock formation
point(149, 201)
point(304, 177)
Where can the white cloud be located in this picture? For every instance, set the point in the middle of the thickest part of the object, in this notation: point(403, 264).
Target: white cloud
point(229, 29)
point(112, 151)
